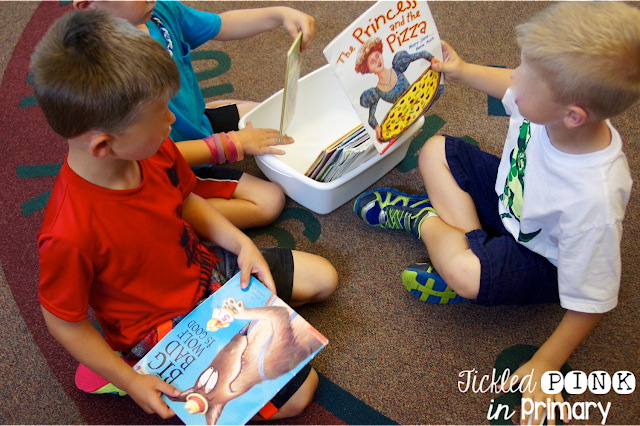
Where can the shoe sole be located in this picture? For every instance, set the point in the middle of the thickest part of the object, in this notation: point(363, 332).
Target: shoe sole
point(429, 290)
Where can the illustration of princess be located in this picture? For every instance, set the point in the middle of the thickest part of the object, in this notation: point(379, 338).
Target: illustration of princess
point(392, 82)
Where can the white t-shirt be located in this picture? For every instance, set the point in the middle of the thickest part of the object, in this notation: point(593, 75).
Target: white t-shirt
point(571, 211)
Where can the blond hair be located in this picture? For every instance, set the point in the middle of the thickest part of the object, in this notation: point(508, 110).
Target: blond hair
point(588, 53)
point(93, 71)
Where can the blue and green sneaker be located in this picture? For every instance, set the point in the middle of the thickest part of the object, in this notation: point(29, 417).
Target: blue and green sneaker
point(389, 208)
point(427, 285)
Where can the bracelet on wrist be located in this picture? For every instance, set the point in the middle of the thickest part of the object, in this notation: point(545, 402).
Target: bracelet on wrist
point(211, 144)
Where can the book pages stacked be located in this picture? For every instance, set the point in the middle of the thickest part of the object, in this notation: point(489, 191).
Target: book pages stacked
point(342, 156)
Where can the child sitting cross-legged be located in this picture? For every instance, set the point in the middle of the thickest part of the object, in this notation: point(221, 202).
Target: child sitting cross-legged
point(207, 133)
point(543, 223)
point(121, 230)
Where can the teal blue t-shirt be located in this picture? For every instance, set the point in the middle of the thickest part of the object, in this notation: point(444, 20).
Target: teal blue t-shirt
point(188, 29)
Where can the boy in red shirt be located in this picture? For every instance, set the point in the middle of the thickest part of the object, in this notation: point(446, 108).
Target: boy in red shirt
point(120, 232)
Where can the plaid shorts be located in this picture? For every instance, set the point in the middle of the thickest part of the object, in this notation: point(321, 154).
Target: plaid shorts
point(280, 261)
point(216, 181)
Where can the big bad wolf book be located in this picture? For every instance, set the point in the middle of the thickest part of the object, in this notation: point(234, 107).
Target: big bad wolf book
point(383, 62)
point(232, 354)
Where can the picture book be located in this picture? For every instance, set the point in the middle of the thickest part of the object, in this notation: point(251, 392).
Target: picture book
point(342, 156)
point(232, 354)
point(383, 63)
point(292, 75)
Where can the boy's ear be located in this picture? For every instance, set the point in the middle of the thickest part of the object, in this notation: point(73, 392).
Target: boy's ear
point(83, 4)
point(100, 144)
point(575, 117)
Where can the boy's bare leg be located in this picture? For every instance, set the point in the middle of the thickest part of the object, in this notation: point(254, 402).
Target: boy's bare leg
point(243, 106)
point(314, 279)
point(444, 235)
point(255, 202)
point(298, 401)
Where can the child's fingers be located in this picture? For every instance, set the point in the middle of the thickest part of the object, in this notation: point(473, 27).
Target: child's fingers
point(307, 38)
point(167, 389)
point(510, 382)
point(273, 151)
point(163, 410)
point(265, 277)
point(245, 277)
point(273, 141)
point(564, 409)
point(436, 65)
point(307, 25)
point(287, 140)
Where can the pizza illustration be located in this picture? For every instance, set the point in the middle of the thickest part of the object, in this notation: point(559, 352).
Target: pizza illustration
point(414, 102)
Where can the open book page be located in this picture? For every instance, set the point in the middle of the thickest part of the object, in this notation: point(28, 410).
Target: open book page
point(290, 86)
point(203, 353)
point(383, 62)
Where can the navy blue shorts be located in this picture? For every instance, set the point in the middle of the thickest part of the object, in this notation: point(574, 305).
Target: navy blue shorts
point(224, 118)
point(510, 273)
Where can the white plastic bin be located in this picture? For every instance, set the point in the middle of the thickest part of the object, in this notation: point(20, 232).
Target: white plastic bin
point(323, 114)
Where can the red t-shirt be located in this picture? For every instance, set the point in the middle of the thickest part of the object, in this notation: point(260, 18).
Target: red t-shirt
point(128, 253)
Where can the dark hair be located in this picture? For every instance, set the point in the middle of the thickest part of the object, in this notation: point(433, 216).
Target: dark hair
point(93, 71)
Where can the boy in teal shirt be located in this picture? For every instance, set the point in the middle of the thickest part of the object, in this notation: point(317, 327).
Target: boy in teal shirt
point(244, 199)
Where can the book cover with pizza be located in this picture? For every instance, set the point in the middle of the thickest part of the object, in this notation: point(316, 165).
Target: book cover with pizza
point(232, 354)
point(383, 62)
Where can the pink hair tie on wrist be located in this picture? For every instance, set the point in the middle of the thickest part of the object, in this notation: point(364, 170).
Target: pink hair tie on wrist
point(221, 156)
point(233, 152)
point(212, 147)
point(238, 145)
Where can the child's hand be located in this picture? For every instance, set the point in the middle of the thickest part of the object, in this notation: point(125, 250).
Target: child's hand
point(378, 130)
point(251, 261)
point(533, 391)
point(452, 65)
point(295, 21)
point(260, 141)
point(145, 389)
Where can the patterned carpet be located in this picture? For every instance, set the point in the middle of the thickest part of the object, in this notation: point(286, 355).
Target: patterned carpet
point(391, 358)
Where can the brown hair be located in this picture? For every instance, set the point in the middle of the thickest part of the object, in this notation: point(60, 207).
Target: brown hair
point(93, 71)
point(372, 45)
point(588, 53)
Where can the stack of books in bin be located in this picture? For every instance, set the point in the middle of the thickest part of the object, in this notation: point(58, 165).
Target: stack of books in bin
point(342, 156)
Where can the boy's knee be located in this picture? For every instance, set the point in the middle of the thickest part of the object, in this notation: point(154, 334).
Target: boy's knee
point(329, 281)
point(273, 201)
point(463, 276)
point(302, 398)
point(432, 154)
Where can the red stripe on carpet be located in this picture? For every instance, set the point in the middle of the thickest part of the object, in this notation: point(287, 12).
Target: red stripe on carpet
point(28, 140)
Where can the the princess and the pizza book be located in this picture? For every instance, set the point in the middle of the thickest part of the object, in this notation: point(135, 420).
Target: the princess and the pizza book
point(383, 62)
point(232, 354)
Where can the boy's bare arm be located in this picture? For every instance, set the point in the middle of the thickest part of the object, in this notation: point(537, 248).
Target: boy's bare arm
point(87, 346)
point(490, 80)
point(572, 330)
point(254, 142)
point(239, 24)
point(209, 223)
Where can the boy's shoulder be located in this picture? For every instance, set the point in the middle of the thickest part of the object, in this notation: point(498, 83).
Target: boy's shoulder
point(178, 13)
point(76, 205)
